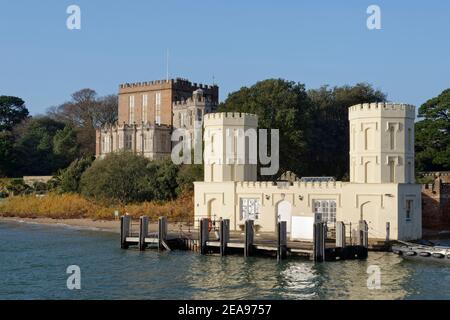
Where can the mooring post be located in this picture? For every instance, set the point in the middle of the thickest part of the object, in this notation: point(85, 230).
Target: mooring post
point(249, 235)
point(363, 234)
point(340, 234)
point(162, 232)
point(224, 235)
point(319, 242)
point(388, 231)
point(143, 232)
point(282, 240)
point(124, 231)
point(204, 235)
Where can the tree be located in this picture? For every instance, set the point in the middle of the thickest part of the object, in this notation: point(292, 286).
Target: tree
point(328, 137)
point(119, 177)
point(162, 179)
point(65, 144)
point(86, 113)
point(187, 175)
point(432, 137)
point(34, 148)
point(6, 153)
point(282, 105)
point(69, 178)
point(12, 112)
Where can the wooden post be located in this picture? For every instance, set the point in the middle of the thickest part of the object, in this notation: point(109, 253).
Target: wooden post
point(143, 232)
point(363, 234)
point(282, 240)
point(162, 232)
point(204, 235)
point(124, 231)
point(224, 235)
point(319, 242)
point(248, 247)
point(340, 234)
point(388, 231)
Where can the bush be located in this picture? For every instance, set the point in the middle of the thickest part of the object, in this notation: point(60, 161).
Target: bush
point(187, 174)
point(119, 177)
point(69, 178)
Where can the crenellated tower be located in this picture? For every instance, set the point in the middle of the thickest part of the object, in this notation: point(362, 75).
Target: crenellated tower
point(382, 143)
point(230, 147)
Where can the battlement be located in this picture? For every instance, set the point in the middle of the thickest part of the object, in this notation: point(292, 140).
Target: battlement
point(134, 126)
point(231, 119)
point(174, 82)
point(290, 185)
point(382, 109)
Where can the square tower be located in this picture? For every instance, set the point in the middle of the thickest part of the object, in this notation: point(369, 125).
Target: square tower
point(382, 143)
point(230, 147)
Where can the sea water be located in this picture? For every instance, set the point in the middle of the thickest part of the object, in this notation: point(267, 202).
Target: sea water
point(34, 260)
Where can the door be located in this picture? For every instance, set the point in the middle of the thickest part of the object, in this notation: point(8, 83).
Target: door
point(284, 213)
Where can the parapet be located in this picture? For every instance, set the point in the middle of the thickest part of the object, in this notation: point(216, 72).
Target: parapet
point(173, 82)
point(381, 109)
point(231, 119)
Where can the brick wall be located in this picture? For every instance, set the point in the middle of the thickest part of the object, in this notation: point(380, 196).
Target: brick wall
point(436, 205)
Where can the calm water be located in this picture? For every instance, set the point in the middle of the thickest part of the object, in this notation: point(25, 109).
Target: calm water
point(34, 258)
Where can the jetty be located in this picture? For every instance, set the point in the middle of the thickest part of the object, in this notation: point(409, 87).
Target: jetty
point(215, 237)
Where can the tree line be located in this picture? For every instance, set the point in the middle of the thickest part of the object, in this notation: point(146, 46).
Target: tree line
point(314, 133)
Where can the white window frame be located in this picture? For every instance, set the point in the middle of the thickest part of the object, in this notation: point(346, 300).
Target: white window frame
point(144, 107)
point(249, 209)
point(131, 109)
point(327, 209)
point(158, 108)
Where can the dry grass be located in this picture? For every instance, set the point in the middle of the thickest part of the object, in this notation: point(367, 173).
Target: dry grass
point(72, 206)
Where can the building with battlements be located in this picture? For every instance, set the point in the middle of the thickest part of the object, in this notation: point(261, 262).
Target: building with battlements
point(381, 191)
point(149, 111)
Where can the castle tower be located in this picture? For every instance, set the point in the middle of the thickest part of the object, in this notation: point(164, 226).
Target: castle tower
point(382, 143)
point(230, 147)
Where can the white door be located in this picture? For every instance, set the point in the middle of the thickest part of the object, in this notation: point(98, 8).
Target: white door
point(284, 213)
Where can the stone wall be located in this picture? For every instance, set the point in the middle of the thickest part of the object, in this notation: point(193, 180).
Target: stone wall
point(436, 205)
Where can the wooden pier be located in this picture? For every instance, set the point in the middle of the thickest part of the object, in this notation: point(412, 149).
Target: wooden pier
point(221, 241)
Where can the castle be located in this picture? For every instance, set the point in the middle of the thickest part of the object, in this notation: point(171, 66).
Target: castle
point(381, 191)
point(149, 111)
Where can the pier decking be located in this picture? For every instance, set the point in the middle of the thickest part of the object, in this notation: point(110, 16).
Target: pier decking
point(208, 240)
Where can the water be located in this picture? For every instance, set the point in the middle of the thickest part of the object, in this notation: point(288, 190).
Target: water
point(34, 258)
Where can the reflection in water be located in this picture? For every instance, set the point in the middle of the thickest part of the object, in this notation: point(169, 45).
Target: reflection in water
point(33, 267)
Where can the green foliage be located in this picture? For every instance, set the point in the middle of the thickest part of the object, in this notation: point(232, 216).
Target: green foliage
point(282, 105)
point(12, 112)
point(6, 153)
point(42, 146)
point(314, 137)
point(162, 179)
point(69, 178)
point(328, 133)
point(432, 134)
point(187, 175)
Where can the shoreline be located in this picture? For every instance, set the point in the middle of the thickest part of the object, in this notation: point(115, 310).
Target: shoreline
point(112, 226)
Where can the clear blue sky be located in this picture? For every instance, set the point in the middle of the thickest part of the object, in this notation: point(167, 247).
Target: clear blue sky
point(237, 42)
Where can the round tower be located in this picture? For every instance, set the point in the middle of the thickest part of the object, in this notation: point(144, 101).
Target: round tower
point(230, 147)
point(382, 143)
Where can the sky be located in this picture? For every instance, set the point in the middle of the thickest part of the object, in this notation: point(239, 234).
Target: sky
point(234, 43)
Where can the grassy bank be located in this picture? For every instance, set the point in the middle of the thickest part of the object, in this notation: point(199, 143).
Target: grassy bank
point(73, 206)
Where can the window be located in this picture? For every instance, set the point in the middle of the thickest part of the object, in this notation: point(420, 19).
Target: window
point(131, 110)
point(409, 139)
point(391, 170)
point(392, 137)
point(144, 107)
point(409, 209)
point(327, 209)
point(128, 142)
point(158, 108)
point(249, 209)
